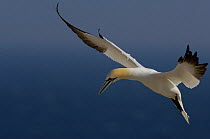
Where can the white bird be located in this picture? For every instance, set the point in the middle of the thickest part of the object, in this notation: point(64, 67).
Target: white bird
point(188, 70)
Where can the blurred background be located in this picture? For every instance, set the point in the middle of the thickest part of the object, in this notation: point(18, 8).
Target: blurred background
point(49, 79)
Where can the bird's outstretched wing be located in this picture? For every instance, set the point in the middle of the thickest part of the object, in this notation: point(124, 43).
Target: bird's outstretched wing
point(188, 70)
point(104, 46)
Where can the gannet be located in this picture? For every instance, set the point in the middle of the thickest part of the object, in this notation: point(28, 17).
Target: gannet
point(188, 70)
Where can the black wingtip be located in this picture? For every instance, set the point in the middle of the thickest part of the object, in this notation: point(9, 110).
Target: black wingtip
point(195, 54)
point(192, 59)
point(180, 60)
point(58, 12)
point(205, 64)
point(67, 23)
point(188, 48)
point(100, 34)
point(57, 7)
point(62, 17)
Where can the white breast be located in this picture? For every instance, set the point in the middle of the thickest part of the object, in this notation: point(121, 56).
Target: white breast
point(156, 83)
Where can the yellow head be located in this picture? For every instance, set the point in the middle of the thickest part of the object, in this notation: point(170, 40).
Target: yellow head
point(113, 76)
point(120, 73)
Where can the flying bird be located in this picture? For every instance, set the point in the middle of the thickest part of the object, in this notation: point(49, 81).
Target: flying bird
point(188, 70)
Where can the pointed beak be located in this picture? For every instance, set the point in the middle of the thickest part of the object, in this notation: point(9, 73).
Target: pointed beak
point(106, 84)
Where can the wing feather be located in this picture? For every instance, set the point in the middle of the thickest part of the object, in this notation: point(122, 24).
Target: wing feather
point(103, 46)
point(188, 70)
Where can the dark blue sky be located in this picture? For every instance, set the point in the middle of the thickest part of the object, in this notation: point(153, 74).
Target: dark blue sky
point(49, 78)
point(141, 22)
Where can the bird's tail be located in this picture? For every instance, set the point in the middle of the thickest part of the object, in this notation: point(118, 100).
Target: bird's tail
point(178, 102)
point(186, 117)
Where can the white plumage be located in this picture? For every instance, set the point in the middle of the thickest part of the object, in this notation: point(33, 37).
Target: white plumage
point(188, 70)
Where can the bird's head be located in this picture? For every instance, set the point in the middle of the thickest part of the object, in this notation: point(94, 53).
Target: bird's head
point(113, 76)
